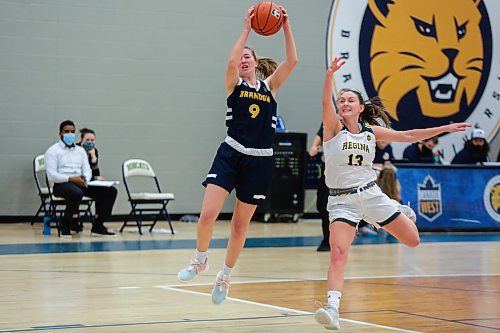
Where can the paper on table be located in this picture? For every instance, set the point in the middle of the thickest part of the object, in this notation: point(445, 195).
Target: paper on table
point(106, 183)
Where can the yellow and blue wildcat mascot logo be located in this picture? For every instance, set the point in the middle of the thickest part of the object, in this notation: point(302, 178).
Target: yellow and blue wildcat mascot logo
point(430, 61)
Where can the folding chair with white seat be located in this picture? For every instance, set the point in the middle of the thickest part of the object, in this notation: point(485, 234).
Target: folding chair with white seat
point(153, 201)
point(43, 192)
point(51, 205)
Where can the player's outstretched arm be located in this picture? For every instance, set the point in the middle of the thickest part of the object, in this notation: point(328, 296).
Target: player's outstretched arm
point(386, 134)
point(235, 55)
point(285, 68)
point(331, 123)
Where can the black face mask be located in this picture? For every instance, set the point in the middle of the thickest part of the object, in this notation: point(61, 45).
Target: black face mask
point(426, 150)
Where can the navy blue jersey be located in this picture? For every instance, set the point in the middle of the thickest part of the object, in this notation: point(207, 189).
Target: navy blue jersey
point(251, 115)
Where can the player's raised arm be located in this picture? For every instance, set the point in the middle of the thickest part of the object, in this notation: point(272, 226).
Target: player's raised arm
point(331, 122)
point(285, 68)
point(236, 53)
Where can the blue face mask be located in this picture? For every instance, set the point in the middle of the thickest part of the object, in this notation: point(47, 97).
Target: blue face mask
point(68, 138)
point(88, 145)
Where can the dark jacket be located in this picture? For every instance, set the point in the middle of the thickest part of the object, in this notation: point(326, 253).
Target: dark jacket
point(383, 155)
point(414, 155)
point(470, 155)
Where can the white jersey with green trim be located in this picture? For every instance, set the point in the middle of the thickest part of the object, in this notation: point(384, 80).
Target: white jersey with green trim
point(349, 158)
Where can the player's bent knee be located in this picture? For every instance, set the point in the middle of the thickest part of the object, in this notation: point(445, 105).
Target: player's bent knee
point(239, 231)
point(413, 242)
point(338, 255)
point(207, 218)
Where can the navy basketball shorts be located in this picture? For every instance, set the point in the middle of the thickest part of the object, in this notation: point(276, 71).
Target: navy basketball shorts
point(249, 175)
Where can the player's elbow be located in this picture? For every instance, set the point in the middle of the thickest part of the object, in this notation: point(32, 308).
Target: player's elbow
point(232, 63)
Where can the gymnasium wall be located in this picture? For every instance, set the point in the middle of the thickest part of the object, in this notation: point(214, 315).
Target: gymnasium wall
point(146, 75)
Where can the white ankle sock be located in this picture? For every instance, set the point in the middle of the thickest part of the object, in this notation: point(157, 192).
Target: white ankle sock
point(334, 298)
point(227, 270)
point(201, 256)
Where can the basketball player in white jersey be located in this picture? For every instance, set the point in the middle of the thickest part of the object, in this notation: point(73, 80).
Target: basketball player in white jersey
point(349, 148)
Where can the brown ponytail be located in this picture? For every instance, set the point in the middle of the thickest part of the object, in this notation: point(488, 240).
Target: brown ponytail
point(374, 112)
point(265, 66)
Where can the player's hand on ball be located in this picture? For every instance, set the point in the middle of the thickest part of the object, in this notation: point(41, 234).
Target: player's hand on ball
point(286, 23)
point(248, 18)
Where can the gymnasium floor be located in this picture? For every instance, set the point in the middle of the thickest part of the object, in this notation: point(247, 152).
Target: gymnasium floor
point(450, 283)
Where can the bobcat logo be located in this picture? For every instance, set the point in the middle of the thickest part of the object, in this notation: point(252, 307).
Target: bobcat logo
point(429, 51)
point(430, 61)
point(491, 198)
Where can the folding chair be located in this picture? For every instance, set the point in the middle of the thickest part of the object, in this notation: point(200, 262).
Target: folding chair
point(43, 192)
point(155, 201)
point(54, 206)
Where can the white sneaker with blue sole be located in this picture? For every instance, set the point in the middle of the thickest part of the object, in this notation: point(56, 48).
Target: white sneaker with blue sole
point(221, 288)
point(190, 271)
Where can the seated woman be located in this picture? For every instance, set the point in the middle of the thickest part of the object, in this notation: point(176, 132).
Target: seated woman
point(87, 142)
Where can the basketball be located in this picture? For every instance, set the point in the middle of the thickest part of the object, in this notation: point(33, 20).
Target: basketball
point(267, 19)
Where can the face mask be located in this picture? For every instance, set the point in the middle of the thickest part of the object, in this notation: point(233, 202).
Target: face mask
point(88, 145)
point(68, 138)
point(426, 150)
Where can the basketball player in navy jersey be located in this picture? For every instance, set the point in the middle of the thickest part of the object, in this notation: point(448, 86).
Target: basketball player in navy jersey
point(244, 161)
point(349, 150)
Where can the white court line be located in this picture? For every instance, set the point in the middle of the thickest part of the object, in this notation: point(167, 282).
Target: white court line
point(234, 299)
point(324, 279)
point(286, 309)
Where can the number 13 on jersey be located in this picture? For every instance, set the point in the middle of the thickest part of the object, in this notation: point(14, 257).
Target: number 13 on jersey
point(358, 162)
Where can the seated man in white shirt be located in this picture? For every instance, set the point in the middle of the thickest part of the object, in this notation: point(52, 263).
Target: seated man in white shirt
point(68, 169)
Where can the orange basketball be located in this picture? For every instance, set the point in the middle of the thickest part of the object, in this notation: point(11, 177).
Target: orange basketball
point(267, 19)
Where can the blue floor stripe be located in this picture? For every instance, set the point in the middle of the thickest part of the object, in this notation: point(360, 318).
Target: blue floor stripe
point(261, 242)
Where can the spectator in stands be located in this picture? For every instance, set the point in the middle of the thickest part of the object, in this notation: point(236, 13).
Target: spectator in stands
point(87, 142)
point(69, 171)
point(388, 182)
point(321, 193)
point(475, 150)
point(383, 154)
point(422, 151)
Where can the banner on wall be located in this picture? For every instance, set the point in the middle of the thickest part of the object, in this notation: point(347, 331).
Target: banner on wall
point(431, 62)
point(445, 197)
